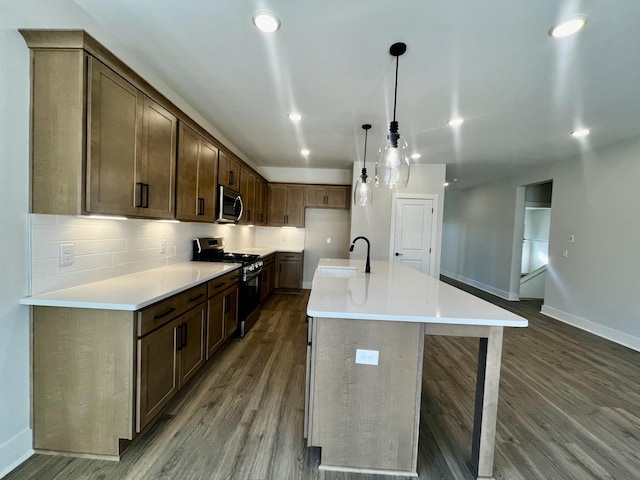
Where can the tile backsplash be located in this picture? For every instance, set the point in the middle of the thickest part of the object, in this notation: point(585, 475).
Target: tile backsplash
point(105, 249)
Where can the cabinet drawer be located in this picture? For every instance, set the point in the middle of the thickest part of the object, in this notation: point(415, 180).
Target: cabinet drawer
point(288, 256)
point(160, 313)
point(219, 284)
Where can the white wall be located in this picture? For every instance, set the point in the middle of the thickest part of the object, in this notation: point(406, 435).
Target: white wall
point(375, 222)
point(594, 198)
point(307, 175)
point(15, 432)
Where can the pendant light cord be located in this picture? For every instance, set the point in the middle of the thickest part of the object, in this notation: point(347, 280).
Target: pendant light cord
point(395, 91)
point(364, 163)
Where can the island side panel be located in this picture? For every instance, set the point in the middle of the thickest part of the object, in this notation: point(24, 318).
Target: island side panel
point(365, 416)
point(83, 379)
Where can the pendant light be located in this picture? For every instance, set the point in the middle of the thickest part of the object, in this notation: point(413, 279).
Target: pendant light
point(363, 192)
point(392, 166)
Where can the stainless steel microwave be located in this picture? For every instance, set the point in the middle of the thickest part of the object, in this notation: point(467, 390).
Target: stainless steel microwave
point(230, 207)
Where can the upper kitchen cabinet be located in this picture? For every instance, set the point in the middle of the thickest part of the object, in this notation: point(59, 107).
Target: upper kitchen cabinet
point(286, 205)
point(228, 171)
point(131, 149)
point(262, 195)
point(196, 191)
point(99, 144)
point(327, 196)
point(248, 192)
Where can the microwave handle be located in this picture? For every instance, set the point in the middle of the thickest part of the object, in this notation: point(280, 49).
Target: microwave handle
point(237, 203)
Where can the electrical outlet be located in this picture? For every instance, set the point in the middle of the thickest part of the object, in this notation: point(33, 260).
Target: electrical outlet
point(163, 246)
point(572, 238)
point(67, 254)
point(565, 252)
point(367, 357)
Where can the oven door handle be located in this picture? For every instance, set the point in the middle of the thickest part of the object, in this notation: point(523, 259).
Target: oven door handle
point(254, 274)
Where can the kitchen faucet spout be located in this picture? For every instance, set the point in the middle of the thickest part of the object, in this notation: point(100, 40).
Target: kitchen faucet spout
point(367, 268)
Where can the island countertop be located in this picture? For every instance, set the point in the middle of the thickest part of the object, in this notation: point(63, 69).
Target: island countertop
point(135, 291)
point(395, 292)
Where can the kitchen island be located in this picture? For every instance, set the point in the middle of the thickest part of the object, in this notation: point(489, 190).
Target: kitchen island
point(364, 364)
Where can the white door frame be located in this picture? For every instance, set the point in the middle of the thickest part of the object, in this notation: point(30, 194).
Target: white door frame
point(434, 225)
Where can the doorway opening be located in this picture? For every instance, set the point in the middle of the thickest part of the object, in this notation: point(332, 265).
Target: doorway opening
point(535, 240)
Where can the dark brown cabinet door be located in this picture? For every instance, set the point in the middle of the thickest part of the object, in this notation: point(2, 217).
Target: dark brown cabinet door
point(197, 160)
point(192, 353)
point(338, 197)
point(215, 324)
point(248, 192)
point(157, 372)
point(132, 149)
point(261, 202)
point(295, 206)
point(277, 205)
point(114, 152)
point(230, 311)
point(315, 196)
point(288, 271)
point(228, 171)
point(159, 130)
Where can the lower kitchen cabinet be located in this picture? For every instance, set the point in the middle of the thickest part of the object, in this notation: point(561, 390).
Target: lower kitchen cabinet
point(222, 314)
point(167, 358)
point(289, 271)
point(267, 276)
point(101, 376)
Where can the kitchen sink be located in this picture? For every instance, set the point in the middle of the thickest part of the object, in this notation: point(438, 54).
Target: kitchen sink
point(340, 272)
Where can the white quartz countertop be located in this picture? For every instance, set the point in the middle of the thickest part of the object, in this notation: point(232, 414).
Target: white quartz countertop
point(135, 291)
point(265, 251)
point(395, 292)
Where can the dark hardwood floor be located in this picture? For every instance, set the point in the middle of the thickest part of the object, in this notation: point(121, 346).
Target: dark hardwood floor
point(569, 409)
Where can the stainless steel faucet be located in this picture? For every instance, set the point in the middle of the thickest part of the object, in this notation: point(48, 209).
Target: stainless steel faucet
point(367, 268)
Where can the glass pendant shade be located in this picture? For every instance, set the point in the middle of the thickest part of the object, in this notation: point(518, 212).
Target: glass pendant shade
point(392, 166)
point(363, 192)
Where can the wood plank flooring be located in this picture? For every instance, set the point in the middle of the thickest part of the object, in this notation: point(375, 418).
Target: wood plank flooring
point(569, 409)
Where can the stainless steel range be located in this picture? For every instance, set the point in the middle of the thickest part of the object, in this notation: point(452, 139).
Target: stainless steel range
point(212, 250)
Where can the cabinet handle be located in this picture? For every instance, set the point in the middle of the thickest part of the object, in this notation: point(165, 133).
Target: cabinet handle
point(171, 310)
point(184, 335)
point(219, 285)
point(140, 203)
point(146, 195)
point(231, 177)
point(200, 206)
point(248, 215)
point(227, 303)
point(193, 299)
point(179, 338)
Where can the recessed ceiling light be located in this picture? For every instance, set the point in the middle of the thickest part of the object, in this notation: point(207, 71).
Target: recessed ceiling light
point(581, 132)
point(454, 122)
point(305, 152)
point(265, 21)
point(415, 156)
point(569, 27)
point(446, 184)
point(296, 117)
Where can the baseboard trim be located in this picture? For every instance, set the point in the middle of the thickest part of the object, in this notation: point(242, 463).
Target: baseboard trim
point(15, 451)
point(598, 329)
point(481, 286)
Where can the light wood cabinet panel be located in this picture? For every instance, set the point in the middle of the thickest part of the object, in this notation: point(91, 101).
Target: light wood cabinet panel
point(327, 196)
point(197, 165)
point(114, 161)
point(286, 205)
point(192, 350)
point(228, 171)
point(288, 271)
point(158, 371)
point(248, 192)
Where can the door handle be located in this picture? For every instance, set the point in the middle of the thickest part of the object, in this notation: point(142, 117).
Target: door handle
point(398, 254)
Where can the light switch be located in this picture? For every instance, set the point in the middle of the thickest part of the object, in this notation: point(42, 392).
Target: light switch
point(367, 357)
point(572, 238)
point(565, 252)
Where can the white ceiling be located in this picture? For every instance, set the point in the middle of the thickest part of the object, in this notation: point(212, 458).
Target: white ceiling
point(520, 91)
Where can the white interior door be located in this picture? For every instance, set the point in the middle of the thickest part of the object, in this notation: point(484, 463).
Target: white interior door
point(413, 233)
